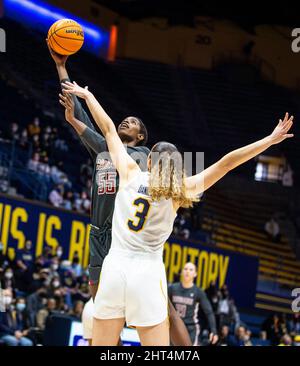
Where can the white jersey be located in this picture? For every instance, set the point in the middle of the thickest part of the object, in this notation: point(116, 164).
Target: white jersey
point(140, 224)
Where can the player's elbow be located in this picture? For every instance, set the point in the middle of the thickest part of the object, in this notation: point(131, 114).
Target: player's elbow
point(226, 164)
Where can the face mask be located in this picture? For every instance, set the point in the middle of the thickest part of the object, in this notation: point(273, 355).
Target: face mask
point(20, 306)
point(55, 267)
point(59, 253)
point(56, 284)
point(7, 300)
point(8, 275)
point(1, 247)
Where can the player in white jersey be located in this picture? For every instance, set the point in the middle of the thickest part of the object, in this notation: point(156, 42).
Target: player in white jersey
point(133, 281)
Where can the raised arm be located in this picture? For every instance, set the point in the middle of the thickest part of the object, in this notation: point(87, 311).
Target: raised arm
point(60, 62)
point(102, 119)
point(122, 161)
point(202, 181)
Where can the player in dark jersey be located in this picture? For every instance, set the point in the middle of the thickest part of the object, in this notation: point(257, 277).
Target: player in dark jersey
point(105, 184)
point(188, 300)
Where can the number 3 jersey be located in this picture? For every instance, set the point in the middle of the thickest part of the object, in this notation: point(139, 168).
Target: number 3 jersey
point(140, 224)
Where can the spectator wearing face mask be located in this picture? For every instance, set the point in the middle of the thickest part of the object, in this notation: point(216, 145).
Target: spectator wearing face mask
point(59, 252)
point(14, 323)
point(8, 281)
point(76, 266)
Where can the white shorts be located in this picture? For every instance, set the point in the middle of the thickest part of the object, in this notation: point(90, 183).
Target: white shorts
point(87, 319)
point(132, 286)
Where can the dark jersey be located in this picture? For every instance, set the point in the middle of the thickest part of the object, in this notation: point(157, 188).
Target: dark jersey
point(188, 301)
point(105, 178)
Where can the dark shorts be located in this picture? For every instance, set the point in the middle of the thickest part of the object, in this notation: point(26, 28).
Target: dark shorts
point(194, 332)
point(99, 242)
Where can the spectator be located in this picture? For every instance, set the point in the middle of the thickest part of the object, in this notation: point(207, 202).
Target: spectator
point(77, 310)
point(14, 323)
point(294, 324)
point(43, 314)
point(44, 168)
point(272, 229)
point(227, 312)
point(24, 142)
point(76, 266)
point(85, 202)
point(8, 280)
point(34, 162)
point(13, 133)
point(287, 177)
point(68, 200)
point(4, 260)
point(35, 302)
point(34, 128)
point(224, 339)
point(36, 144)
point(56, 196)
point(86, 171)
point(59, 252)
point(242, 337)
point(274, 329)
point(286, 340)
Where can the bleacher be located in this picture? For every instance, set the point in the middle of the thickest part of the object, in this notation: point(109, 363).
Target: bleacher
point(220, 116)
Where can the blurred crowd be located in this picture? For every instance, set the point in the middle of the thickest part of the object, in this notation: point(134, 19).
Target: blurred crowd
point(32, 289)
point(42, 141)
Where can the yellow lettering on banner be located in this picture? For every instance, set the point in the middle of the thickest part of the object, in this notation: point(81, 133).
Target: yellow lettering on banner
point(53, 222)
point(175, 262)
point(202, 269)
point(184, 256)
point(193, 254)
point(77, 239)
point(223, 268)
point(40, 235)
point(5, 227)
point(18, 214)
point(213, 268)
point(11, 253)
point(1, 212)
point(167, 256)
point(86, 247)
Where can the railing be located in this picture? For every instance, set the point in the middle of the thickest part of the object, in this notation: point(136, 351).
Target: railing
point(16, 170)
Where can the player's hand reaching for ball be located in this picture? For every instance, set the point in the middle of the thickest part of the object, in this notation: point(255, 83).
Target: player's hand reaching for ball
point(280, 133)
point(60, 60)
point(66, 100)
point(75, 89)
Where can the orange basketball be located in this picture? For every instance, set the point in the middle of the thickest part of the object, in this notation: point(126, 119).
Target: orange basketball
point(65, 36)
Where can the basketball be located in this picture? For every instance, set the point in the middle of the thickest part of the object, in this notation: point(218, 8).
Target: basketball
point(65, 37)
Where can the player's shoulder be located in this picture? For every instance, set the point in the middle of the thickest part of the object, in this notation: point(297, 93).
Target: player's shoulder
point(174, 286)
point(139, 149)
point(199, 291)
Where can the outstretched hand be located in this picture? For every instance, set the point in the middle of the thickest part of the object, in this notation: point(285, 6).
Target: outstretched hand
point(60, 60)
point(280, 133)
point(75, 89)
point(66, 100)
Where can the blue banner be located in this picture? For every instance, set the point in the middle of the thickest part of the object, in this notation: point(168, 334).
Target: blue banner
point(44, 225)
point(239, 272)
point(22, 220)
